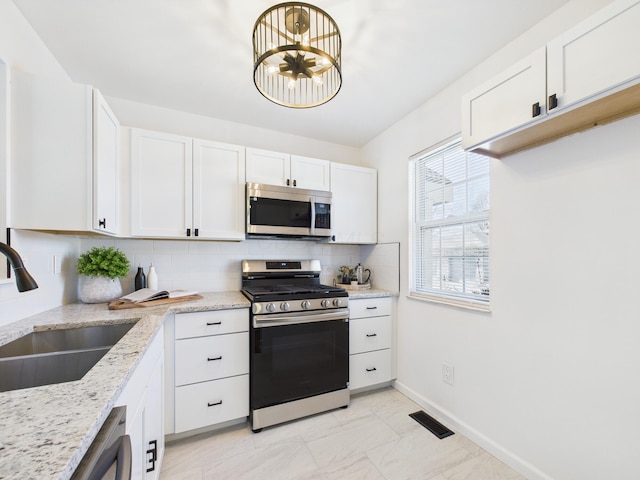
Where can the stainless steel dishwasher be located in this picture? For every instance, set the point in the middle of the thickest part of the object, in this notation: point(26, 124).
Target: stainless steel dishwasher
point(109, 456)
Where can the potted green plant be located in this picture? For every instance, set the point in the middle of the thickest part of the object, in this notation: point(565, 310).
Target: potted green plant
point(100, 271)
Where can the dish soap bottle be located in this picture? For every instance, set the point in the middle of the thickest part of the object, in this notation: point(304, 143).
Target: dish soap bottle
point(152, 278)
point(141, 279)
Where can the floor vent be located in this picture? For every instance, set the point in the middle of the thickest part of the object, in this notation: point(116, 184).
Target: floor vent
point(431, 424)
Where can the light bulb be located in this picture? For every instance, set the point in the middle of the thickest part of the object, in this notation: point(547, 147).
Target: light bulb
point(305, 40)
point(317, 80)
point(292, 84)
point(273, 69)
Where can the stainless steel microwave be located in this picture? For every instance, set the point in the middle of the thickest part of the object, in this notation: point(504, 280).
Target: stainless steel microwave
point(275, 211)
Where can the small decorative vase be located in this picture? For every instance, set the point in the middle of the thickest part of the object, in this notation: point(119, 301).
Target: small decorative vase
point(99, 289)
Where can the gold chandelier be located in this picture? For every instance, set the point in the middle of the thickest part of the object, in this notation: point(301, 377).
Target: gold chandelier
point(297, 55)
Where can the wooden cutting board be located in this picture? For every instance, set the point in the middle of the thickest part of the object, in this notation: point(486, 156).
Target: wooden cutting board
point(121, 305)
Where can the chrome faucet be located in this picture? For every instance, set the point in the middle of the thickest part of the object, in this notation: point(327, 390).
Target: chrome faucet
point(24, 281)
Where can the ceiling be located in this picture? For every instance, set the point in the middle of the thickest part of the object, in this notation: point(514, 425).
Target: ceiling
point(196, 55)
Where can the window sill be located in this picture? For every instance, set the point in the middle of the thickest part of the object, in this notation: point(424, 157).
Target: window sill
point(453, 302)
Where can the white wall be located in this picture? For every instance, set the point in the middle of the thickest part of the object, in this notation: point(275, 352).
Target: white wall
point(134, 114)
point(548, 380)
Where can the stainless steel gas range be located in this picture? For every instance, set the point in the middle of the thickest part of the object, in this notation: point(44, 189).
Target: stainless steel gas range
point(299, 333)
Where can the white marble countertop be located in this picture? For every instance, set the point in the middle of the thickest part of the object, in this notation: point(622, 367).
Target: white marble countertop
point(45, 431)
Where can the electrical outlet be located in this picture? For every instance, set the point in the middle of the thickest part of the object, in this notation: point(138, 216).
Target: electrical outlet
point(447, 373)
point(57, 267)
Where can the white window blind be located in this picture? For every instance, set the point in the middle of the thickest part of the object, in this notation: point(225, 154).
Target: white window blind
point(450, 227)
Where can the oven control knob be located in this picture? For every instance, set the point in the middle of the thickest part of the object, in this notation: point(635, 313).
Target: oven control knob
point(270, 307)
point(325, 303)
point(337, 302)
point(284, 307)
point(306, 305)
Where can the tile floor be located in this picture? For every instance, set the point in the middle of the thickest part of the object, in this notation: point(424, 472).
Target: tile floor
point(373, 439)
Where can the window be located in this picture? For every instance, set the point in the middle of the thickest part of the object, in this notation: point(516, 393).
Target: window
point(450, 227)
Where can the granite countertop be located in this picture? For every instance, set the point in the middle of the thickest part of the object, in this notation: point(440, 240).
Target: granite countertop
point(46, 430)
point(371, 293)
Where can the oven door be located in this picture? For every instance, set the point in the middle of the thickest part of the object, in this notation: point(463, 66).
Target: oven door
point(294, 356)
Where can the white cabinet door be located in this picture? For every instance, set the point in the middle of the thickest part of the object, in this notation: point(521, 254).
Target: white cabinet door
point(144, 399)
point(271, 168)
point(354, 204)
point(210, 358)
point(207, 403)
point(51, 154)
point(106, 153)
point(310, 173)
point(368, 334)
point(371, 368)
point(510, 100)
point(154, 423)
point(218, 190)
point(598, 55)
point(161, 186)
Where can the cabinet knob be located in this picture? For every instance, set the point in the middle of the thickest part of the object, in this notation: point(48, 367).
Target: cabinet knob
point(213, 404)
point(195, 232)
point(288, 182)
point(188, 232)
point(102, 223)
point(211, 359)
point(553, 101)
point(372, 369)
point(372, 334)
point(153, 451)
point(295, 183)
point(535, 109)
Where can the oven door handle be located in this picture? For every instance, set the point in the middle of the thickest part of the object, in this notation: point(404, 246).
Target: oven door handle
point(260, 321)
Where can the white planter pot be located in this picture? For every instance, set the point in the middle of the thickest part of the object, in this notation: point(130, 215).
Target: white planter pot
point(99, 289)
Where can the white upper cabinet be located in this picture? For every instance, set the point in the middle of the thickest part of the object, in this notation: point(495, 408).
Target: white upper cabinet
point(587, 76)
point(270, 168)
point(186, 188)
point(597, 55)
point(161, 191)
point(311, 173)
point(274, 168)
point(354, 204)
point(218, 190)
point(106, 198)
point(53, 124)
point(512, 99)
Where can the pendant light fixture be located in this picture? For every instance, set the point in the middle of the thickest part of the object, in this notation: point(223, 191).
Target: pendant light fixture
point(297, 55)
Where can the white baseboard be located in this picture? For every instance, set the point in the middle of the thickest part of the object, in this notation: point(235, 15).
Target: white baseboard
point(521, 466)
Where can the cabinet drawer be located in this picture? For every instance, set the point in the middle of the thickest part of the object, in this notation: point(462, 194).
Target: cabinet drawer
point(370, 368)
point(210, 358)
point(198, 324)
point(370, 307)
point(367, 334)
point(208, 403)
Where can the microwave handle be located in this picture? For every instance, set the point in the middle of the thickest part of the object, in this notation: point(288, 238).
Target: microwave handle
point(313, 215)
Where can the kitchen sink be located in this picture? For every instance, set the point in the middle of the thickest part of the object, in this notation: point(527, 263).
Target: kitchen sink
point(56, 356)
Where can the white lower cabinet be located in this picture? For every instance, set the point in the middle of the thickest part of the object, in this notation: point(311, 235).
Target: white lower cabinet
point(143, 397)
point(211, 368)
point(370, 341)
point(208, 403)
